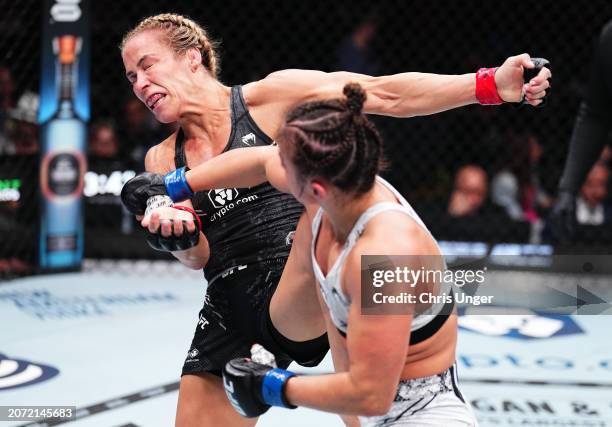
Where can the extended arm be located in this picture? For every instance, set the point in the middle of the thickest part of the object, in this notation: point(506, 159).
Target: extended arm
point(399, 95)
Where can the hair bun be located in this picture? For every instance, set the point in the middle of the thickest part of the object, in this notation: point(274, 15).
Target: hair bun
point(355, 97)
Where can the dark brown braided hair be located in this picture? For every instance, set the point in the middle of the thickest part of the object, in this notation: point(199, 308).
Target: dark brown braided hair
point(334, 140)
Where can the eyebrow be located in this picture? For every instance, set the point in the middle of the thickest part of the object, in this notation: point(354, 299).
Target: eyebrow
point(138, 64)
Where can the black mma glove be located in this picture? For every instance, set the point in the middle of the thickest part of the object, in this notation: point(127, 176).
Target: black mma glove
point(173, 242)
point(563, 216)
point(148, 191)
point(252, 387)
point(530, 73)
point(137, 192)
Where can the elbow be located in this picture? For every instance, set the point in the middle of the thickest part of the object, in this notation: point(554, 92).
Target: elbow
point(193, 261)
point(375, 400)
point(375, 404)
point(373, 396)
point(194, 265)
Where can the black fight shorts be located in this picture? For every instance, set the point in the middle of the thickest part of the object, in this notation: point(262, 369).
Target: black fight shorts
point(236, 315)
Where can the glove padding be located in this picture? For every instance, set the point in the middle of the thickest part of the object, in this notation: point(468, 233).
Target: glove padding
point(174, 243)
point(139, 189)
point(563, 216)
point(252, 387)
point(530, 73)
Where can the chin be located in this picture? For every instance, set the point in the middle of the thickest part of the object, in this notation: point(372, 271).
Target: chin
point(166, 120)
point(165, 117)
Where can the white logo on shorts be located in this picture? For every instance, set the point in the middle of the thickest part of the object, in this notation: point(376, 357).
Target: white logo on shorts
point(193, 353)
point(203, 322)
point(229, 391)
point(249, 139)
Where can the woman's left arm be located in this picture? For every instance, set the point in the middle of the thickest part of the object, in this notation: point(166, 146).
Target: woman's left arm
point(377, 347)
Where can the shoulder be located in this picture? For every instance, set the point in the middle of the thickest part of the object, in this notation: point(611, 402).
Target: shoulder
point(279, 86)
point(390, 233)
point(296, 85)
point(292, 76)
point(271, 98)
point(160, 157)
point(394, 233)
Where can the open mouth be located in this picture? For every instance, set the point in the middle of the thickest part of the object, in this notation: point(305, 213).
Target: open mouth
point(153, 100)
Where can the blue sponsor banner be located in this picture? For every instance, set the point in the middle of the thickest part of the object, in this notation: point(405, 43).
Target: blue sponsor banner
point(63, 114)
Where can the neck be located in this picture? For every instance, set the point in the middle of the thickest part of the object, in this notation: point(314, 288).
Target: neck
point(205, 115)
point(344, 211)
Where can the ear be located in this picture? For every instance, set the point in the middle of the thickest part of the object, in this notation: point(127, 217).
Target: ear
point(194, 57)
point(318, 188)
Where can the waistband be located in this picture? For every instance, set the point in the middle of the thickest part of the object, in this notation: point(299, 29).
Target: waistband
point(272, 263)
point(417, 388)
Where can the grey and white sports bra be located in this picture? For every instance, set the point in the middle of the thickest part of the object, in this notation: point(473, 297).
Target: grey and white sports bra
point(424, 324)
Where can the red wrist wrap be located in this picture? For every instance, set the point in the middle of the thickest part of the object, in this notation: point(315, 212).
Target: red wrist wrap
point(486, 91)
point(188, 209)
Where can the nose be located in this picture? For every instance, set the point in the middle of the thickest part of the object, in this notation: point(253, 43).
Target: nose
point(140, 84)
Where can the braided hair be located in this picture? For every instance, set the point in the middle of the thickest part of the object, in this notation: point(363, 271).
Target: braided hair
point(334, 140)
point(182, 34)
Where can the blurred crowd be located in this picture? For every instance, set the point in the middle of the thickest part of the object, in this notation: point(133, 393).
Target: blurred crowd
point(507, 202)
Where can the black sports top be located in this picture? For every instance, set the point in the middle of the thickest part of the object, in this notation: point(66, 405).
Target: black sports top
point(243, 225)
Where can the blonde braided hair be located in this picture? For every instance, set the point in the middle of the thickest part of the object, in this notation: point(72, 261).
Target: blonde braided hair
point(182, 34)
